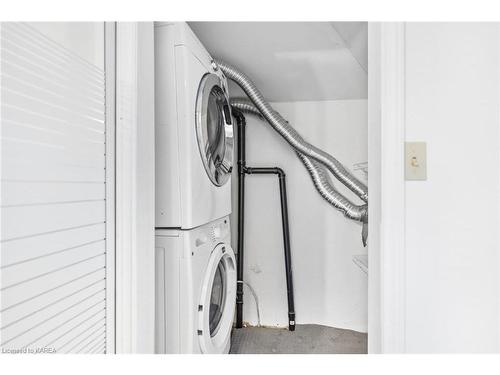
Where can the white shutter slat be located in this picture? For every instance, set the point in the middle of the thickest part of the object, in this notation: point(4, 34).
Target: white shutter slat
point(66, 342)
point(17, 337)
point(32, 44)
point(27, 118)
point(33, 247)
point(25, 193)
point(25, 30)
point(33, 317)
point(50, 109)
point(60, 172)
point(38, 283)
point(42, 93)
point(22, 305)
point(22, 221)
point(50, 65)
point(47, 337)
point(88, 342)
point(45, 265)
point(61, 139)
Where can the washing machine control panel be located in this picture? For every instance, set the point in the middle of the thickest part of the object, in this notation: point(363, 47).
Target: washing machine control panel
point(220, 230)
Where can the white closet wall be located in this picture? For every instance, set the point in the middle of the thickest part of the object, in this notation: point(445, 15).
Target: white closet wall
point(330, 289)
point(54, 221)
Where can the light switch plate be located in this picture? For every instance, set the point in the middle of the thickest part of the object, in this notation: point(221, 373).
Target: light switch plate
point(415, 161)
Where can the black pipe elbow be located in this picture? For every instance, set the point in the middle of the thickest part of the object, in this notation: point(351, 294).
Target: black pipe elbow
point(280, 172)
point(238, 115)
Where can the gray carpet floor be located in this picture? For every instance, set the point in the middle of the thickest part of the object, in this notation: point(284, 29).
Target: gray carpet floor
point(307, 339)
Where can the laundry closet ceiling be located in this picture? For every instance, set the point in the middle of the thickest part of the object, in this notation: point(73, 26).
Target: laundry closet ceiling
point(293, 61)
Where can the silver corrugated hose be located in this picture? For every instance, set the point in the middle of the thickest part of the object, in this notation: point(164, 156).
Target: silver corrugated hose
point(245, 106)
point(318, 174)
point(290, 134)
point(325, 188)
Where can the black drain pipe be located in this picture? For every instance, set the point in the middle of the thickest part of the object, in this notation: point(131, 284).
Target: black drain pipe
point(240, 122)
point(286, 237)
point(242, 171)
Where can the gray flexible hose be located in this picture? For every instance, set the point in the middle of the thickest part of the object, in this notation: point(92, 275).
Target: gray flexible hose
point(318, 174)
point(290, 134)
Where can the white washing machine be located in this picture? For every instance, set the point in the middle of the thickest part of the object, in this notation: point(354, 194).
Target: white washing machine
point(195, 265)
point(194, 133)
point(195, 289)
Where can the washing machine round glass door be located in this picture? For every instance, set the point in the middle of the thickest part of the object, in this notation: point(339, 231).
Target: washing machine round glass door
point(217, 301)
point(214, 129)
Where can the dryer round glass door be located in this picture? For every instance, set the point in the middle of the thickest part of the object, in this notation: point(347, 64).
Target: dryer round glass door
point(214, 129)
point(217, 301)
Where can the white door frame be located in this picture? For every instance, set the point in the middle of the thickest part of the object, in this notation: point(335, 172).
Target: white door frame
point(135, 198)
point(110, 69)
point(387, 299)
point(135, 188)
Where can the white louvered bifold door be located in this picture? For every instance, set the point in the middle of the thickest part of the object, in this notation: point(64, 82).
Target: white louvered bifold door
point(56, 250)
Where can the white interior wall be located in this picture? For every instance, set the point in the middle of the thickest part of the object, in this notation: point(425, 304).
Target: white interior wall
point(452, 263)
point(329, 288)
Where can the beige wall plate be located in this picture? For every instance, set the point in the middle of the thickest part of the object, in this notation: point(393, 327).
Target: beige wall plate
point(415, 161)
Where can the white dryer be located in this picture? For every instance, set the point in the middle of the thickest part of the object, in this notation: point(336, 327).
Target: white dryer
point(194, 133)
point(195, 289)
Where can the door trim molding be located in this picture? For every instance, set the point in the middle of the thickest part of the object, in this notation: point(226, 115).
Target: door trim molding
point(135, 187)
point(392, 223)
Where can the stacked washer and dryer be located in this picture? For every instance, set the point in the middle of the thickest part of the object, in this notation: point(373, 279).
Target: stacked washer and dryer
point(195, 264)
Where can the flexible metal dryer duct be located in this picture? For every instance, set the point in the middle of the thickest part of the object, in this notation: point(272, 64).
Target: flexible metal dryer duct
point(290, 134)
point(318, 174)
